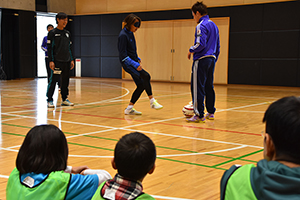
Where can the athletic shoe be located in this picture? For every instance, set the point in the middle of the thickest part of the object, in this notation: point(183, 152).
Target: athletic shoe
point(196, 119)
point(50, 104)
point(67, 103)
point(155, 105)
point(209, 116)
point(132, 111)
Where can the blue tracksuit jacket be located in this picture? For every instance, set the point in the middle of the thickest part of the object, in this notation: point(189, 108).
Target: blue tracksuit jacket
point(207, 41)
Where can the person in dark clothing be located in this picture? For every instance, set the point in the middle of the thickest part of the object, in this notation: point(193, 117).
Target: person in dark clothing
point(277, 176)
point(61, 60)
point(132, 64)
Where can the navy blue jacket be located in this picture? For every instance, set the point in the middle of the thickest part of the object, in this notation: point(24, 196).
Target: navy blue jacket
point(127, 48)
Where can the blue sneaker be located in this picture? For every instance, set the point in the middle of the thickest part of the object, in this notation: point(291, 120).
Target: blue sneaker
point(67, 103)
point(50, 104)
point(209, 116)
point(196, 119)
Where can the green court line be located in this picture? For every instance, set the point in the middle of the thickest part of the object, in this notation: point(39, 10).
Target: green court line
point(239, 158)
point(104, 138)
point(15, 134)
point(190, 163)
point(173, 160)
point(90, 146)
point(230, 157)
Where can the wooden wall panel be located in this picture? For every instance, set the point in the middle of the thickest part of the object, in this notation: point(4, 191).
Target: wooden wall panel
point(117, 6)
point(92, 6)
point(218, 3)
point(184, 36)
point(18, 5)
point(125, 6)
point(262, 1)
point(168, 4)
point(66, 6)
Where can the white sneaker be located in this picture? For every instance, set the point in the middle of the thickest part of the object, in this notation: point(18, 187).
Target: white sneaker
point(67, 103)
point(155, 105)
point(50, 104)
point(132, 111)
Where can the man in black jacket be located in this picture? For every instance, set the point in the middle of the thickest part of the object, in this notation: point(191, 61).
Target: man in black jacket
point(61, 60)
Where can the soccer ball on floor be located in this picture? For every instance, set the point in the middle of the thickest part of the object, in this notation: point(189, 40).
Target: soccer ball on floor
point(188, 110)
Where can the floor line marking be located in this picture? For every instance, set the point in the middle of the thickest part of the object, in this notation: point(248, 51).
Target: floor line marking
point(193, 138)
point(126, 128)
point(170, 198)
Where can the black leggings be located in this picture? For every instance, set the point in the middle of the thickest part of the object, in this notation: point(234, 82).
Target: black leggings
point(142, 82)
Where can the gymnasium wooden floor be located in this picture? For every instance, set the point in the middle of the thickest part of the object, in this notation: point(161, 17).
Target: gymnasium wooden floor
point(191, 157)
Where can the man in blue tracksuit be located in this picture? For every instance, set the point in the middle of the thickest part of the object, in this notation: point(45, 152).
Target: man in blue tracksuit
point(205, 52)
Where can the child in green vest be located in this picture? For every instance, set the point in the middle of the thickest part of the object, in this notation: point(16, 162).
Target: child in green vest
point(277, 176)
point(41, 170)
point(134, 158)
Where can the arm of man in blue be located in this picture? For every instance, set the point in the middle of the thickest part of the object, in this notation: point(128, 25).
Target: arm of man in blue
point(122, 46)
point(218, 49)
point(44, 44)
point(200, 39)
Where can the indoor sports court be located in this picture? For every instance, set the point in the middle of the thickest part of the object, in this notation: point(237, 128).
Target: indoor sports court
point(191, 157)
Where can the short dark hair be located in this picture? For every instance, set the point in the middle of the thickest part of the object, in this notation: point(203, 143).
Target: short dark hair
point(200, 7)
point(130, 19)
point(282, 120)
point(134, 155)
point(50, 25)
point(44, 150)
point(61, 15)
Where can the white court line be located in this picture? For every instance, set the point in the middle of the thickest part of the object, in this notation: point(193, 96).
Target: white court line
point(251, 105)
point(5, 120)
point(193, 138)
point(3, 176)
point(248, 111)
point(166, 156)
point(254, 97)
point(201, 153)
point(8, 149)
point(126, 127)
point(73, 136)
point(170, 198)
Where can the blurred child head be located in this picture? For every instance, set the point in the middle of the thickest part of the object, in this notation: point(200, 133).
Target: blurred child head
point(134, 156)
point(282, 137)
point(44, 150)
point(49, 27)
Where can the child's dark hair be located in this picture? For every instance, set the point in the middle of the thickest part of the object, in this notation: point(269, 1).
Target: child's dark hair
point(130, 19)
point(61, 15)
point(50, 25)
point(200, 7)
point(44, 150)
point(135, 155)
point(282, 120)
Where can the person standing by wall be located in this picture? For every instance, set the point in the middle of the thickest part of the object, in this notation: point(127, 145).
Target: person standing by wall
point(205, 52)
point(61, 60)
point(44, 48)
